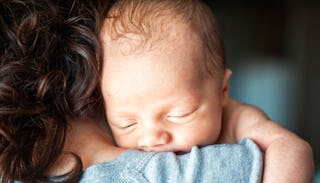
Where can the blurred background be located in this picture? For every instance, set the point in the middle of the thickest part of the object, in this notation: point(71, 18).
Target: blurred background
point(273, 49)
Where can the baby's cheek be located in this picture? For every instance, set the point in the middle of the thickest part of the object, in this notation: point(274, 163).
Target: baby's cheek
point(199, 137)
point(125, 141)
point(118, 141)
point(211, 135)
point(187, 140)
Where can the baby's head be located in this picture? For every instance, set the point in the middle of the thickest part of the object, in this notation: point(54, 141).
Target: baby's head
point(164, 80)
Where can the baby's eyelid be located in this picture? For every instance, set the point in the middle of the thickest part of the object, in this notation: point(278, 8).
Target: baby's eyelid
point(126, 124)
point(178, 115)
point(181, 113)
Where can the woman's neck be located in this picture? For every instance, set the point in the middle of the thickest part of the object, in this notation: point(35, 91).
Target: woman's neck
point(91, 140)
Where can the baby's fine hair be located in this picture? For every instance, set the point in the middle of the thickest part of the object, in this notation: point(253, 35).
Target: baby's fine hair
point(149, 21)
point(49, 70)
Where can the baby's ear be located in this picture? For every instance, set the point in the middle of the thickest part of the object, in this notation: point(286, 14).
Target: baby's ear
point(225, 86)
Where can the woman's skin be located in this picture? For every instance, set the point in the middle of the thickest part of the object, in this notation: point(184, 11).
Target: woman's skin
point(91, 140)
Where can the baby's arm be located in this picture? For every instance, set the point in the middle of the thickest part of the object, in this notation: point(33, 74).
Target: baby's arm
point(288, 158)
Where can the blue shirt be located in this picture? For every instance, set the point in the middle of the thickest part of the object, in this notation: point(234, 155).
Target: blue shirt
point(227, 163)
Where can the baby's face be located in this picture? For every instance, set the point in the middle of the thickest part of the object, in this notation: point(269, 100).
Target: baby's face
point(158, 100)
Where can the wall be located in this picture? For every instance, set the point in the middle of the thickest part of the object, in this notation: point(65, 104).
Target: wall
point(273, 48)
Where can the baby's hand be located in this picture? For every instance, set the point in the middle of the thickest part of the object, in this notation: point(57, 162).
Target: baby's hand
point(288, 158)
point(234, 115)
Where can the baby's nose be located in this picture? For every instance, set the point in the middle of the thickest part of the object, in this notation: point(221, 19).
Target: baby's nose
point(153, 138)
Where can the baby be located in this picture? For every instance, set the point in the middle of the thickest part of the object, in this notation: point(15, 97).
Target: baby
point(165, 87)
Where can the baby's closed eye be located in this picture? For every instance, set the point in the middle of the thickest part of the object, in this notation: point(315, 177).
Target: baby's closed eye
point(124, 124)
point(181, 116)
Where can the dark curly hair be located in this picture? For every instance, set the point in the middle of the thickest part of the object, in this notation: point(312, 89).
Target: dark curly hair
point(49, 69)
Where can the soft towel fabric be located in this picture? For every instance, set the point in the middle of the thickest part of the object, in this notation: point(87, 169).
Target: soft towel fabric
point(226, 163)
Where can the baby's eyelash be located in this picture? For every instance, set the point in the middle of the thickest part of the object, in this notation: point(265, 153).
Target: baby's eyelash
point(126, 124)
point(181, 117)
point(177, 115)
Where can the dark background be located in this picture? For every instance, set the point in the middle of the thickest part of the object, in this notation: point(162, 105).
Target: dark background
point(273, 49)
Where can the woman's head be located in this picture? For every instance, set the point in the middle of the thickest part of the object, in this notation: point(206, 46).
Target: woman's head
point(49, 69)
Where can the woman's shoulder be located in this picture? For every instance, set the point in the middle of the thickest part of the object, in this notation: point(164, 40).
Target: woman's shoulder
point(240, 162)
point(223, 162)
point(127, 166)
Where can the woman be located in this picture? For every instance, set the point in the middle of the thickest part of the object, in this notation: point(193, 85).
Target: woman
point(48, 71)
point(50, 125)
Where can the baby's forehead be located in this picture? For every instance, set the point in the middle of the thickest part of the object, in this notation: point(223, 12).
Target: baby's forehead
point(174, 35)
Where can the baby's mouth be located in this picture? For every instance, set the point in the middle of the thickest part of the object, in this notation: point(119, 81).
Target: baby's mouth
point(177, 151)
point(180, 152)
point(158, 149)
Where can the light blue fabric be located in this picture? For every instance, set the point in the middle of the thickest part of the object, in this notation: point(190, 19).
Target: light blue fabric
point(216, 163)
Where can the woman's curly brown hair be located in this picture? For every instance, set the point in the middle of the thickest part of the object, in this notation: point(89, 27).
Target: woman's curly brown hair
point(49, 69)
